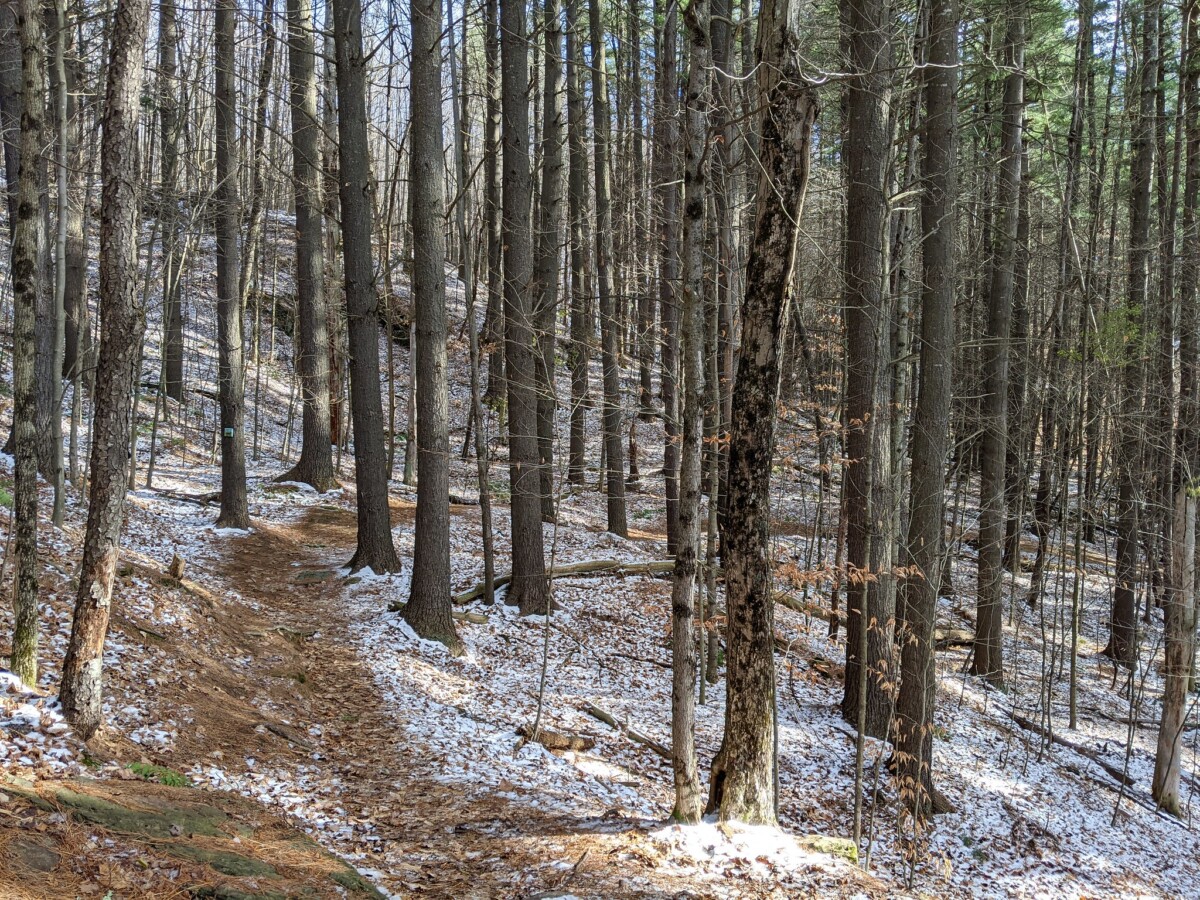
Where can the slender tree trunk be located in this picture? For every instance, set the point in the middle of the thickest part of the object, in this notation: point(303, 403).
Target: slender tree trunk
point(231, 371)
point(252, 224)
point(742, 786)
point(688, 800)
point(79, 355)
point(1180, 605)
point(545, 273)
point(665, 139)
point(581, 335)
point(428, 609)
point(315, 466)
point(28, 280)
point(528, 590)
point(168, 207)
point(1130, 436)
point(930, 435)
point(376, 551)
point(120, 334)
point(493, 320)
point(609, 324)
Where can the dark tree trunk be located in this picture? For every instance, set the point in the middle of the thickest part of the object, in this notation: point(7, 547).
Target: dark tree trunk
point(231, 374)
point(614, 451)
point(545, 274)
point(169, 125)
point(121, 323)
point(375, 548)
point(1130, 432)
point(529, 589)
point(428, 609)
point(866, 42)
point(315, 466)
point(665, 139)
point(917, 602)
point(493, 320)
point(743, 782)
point(581, 332)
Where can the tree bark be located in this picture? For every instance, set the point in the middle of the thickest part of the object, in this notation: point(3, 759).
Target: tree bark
point(529, 589)
point(168, 206)
point(870, 597)
point(428, 610)
point(581, 332)
point(231, 373)
point(28, 279)
point(614, 451)
point(742, 786)
point(688, 801)
point(121, 326)
point(315, 466)
point(376, 551)
point(930, 436)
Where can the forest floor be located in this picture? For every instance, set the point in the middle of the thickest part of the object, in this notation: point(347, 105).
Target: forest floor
point(271, 674)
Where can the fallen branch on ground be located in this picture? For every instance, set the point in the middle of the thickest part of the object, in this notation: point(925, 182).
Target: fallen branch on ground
point(556, 740)
point(587, 568)
point(625, 728)
point(1113, 771)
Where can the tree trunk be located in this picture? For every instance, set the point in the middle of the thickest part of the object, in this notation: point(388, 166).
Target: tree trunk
point(988, 658)
point(375, 548)
point(743, 782)
point(665, 139)
point(1180, 612)
point(871, 600)
point(581, 335)
point(545, 274)
point(1130, 436)
point(493, 320)
point(529, 588)
point(168, 206)
point(931, 431)
point(609, 324)
point(315, 466)
point(683, 625)
point(28, 279)
point(120, 333)
point(231, 374)
point(428, 610)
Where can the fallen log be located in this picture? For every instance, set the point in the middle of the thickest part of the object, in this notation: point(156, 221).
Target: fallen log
point(458, 616)
point(1113, 771)
point(625, 728)
point(555, 740)
point(585, 569)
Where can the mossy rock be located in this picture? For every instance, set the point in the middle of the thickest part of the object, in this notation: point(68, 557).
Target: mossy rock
point(834, 846)
point(167, 821)
point(224, 861)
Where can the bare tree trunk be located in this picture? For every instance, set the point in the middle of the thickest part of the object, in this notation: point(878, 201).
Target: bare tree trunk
point(581, 335)
point(252, 224)
point(315, 466)
point(665, 139)
point(609, 324)
point(230, 361)
point(930, 436)
point(1180, 611)
point(1130, 437)
point(28, 280)
point(688, 801)
point(871, 602)
point(529, 590)
point(121, 328)
point(545, 274)
point(493, 320)
point(168, 206)
point(428, 609)
point(376, 551)
point(743, 773)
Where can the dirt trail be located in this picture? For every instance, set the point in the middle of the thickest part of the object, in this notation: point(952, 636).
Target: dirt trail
point(434, 842)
